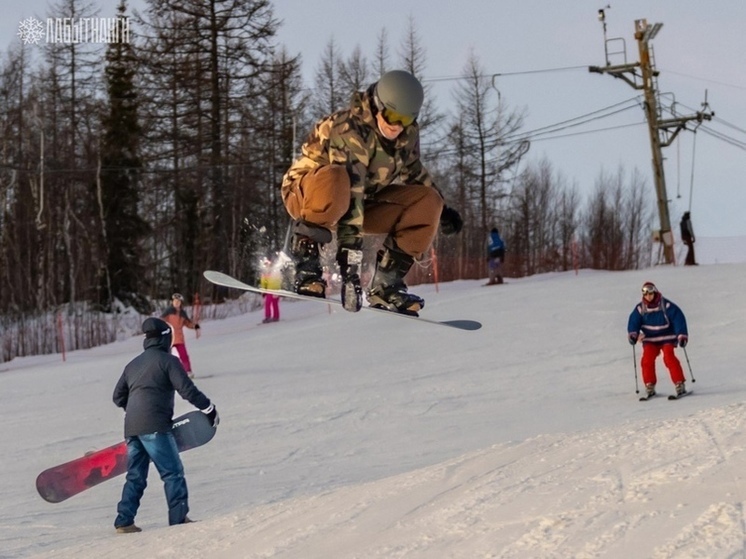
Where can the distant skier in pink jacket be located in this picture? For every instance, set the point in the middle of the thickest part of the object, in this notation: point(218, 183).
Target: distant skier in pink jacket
point(177, 317)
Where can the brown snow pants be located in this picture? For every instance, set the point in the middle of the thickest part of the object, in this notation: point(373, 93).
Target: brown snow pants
point(409, 214)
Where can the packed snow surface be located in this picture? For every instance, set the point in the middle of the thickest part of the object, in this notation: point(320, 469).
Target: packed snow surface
point(365, 436)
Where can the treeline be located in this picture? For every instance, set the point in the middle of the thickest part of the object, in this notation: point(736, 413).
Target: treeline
point(128, 169)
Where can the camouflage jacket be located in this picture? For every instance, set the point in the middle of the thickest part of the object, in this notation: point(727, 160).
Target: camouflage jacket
point(350, 137)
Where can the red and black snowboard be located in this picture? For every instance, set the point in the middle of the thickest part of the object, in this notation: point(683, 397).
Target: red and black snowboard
point(62, 482)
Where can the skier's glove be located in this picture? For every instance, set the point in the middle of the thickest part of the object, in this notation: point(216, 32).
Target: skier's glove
point(212, 415)
point(683, 340)
point(632, 339)
point(450, 221)
point(196, 326)
point(350, 262)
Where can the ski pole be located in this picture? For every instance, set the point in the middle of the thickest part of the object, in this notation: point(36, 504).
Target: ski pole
point(634, 360)
point(691, 374)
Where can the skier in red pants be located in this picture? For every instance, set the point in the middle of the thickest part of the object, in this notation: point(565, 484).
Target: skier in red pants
point(177, 318)
point(661, 325)
point(271, 278)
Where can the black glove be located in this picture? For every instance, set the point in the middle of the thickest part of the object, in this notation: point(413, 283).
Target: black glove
point(683, 340)
point(632, 339)
point(350, 261)
point(196, 326)
point(212, 415)
point(450, 221)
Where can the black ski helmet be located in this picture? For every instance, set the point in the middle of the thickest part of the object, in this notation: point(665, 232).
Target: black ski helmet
point(401, 92)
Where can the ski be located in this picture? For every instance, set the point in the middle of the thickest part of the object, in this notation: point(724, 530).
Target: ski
point(646, 398)
point(679, 396)
point(219, 278)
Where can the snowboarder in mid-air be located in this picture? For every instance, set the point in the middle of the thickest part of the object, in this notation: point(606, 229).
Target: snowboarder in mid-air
point(661, 326)
point(360, 172)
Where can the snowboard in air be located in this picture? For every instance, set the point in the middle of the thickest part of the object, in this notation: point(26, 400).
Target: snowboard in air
point(61, 482)
point(219, 278)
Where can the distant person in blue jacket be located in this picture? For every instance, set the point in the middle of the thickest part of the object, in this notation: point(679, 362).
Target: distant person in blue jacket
point(495, 256)
point(661, 325)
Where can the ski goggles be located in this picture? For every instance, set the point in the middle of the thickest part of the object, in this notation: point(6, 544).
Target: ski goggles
point(649, 289)
point(393, 118)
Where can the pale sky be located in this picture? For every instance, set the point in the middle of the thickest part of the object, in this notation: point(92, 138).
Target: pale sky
point(542, 50)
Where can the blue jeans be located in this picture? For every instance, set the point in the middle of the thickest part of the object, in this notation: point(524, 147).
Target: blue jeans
point(161, 449)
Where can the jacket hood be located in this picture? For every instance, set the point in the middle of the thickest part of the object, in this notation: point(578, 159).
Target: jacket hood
point(158, 334)
point(654, 302)
point(361, 106)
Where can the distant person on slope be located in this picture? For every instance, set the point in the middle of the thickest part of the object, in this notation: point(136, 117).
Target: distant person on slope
point(495, 256)
point(661, 326)
point(146, 393)
point(177, 317)
point(687, 237)
point(271, 278)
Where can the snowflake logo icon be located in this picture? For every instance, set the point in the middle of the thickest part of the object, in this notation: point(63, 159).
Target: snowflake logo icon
point(31, 30)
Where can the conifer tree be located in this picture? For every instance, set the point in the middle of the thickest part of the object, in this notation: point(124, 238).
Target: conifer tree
point(123, 230)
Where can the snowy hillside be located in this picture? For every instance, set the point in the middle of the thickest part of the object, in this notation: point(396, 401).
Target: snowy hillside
point(716, 250)
point(363, 436)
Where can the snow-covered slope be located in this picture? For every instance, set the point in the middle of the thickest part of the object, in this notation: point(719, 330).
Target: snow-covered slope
point(358, 436)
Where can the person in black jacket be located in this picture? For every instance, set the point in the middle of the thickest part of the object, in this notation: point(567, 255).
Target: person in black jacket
point(146, 392)
point(687, 236)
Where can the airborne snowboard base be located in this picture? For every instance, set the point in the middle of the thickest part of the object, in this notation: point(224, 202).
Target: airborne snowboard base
point(219, 278)
point(66, 480)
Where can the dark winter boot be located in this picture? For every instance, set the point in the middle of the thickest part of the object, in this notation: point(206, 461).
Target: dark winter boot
point(650, 388)
point(307, 241)
point(387, 289)
point(308, 271)
point(129, 529)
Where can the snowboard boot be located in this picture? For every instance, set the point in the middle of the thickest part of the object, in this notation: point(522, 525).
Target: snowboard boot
point(308, 272)
point(387, 289)
point(680, 388)
point(650, 390)
point(307, 242)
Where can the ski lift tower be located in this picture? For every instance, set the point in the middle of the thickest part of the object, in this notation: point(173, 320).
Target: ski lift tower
point(643, 75)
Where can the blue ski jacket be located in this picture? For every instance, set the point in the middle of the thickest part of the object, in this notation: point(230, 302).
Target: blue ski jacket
point(661, 321)
point(495, 245)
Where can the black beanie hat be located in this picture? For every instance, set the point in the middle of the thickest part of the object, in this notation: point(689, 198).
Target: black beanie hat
point(155, 328)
